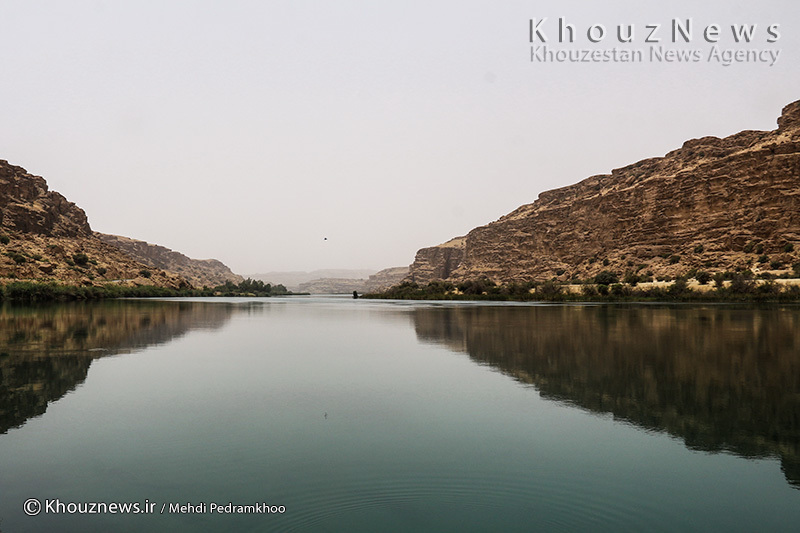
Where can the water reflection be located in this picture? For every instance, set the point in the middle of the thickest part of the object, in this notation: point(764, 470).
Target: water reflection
point(717, 377)
point(46, 351)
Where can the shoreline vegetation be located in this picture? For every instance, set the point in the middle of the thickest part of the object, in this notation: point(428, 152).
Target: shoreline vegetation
point(608, 287)
point(605, 287)
point(52, 291)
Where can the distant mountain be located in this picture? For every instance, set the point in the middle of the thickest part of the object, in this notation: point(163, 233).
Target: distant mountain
point(199, 272)
point(384, 279)
point(713, 204)
point(375, 283)
point(292, 280)
point(45, 237)
point(332, 286)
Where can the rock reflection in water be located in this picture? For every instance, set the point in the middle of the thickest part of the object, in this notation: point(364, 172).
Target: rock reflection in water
point(46, 351)
point(719, 378)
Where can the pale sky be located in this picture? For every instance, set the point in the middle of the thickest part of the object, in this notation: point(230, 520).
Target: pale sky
point(250, 131)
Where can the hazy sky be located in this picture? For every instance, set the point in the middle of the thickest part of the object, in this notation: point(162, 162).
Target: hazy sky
point(250, 131)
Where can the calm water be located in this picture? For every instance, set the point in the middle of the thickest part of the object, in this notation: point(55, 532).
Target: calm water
point(389, 416)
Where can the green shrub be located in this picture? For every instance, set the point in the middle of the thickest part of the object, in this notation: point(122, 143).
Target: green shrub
point(796, 268)
point(17, 257)
point(145, 273)
point(763, 258)
point(618, 289)
point(434, 287)
point(102, 271)
point(5, 239)
point(80, 259)
point(478, 286)
point(770, 288)
point(788, 247)
point(699, 249)
point(679, 287)
point(606, 262)
point(759, 249)
point(748, 248)
point(549, 289)
point(606, 278)
point(702, 277)
point(674, 259)
point(741, 285)
point(631, 279)
point(775, 265)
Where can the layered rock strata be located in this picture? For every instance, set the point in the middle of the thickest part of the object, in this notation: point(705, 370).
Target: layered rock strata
point(715, 204)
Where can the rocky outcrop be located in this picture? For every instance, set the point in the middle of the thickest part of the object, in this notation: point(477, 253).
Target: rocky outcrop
point(380, 281)
point(27, 206)
point(437, 262)
point(199, 272)
point(714, 203)
point(44, 237)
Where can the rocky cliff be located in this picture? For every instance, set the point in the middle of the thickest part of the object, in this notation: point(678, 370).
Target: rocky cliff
point(28, 206)
point(44, 237)
point(437, 262)
point(714, 203)
point(199, 272)
point(385, 278)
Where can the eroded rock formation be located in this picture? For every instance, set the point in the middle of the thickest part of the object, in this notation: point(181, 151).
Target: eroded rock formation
point(199, 272)
point(714, 203)
point(28, 206)
point(44, 237)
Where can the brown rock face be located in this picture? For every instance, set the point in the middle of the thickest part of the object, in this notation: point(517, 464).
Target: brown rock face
point(199, 272)
point(382, 280)
point(706, 205)
point(27, 205)
point(47, 238)
point(437, 262)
